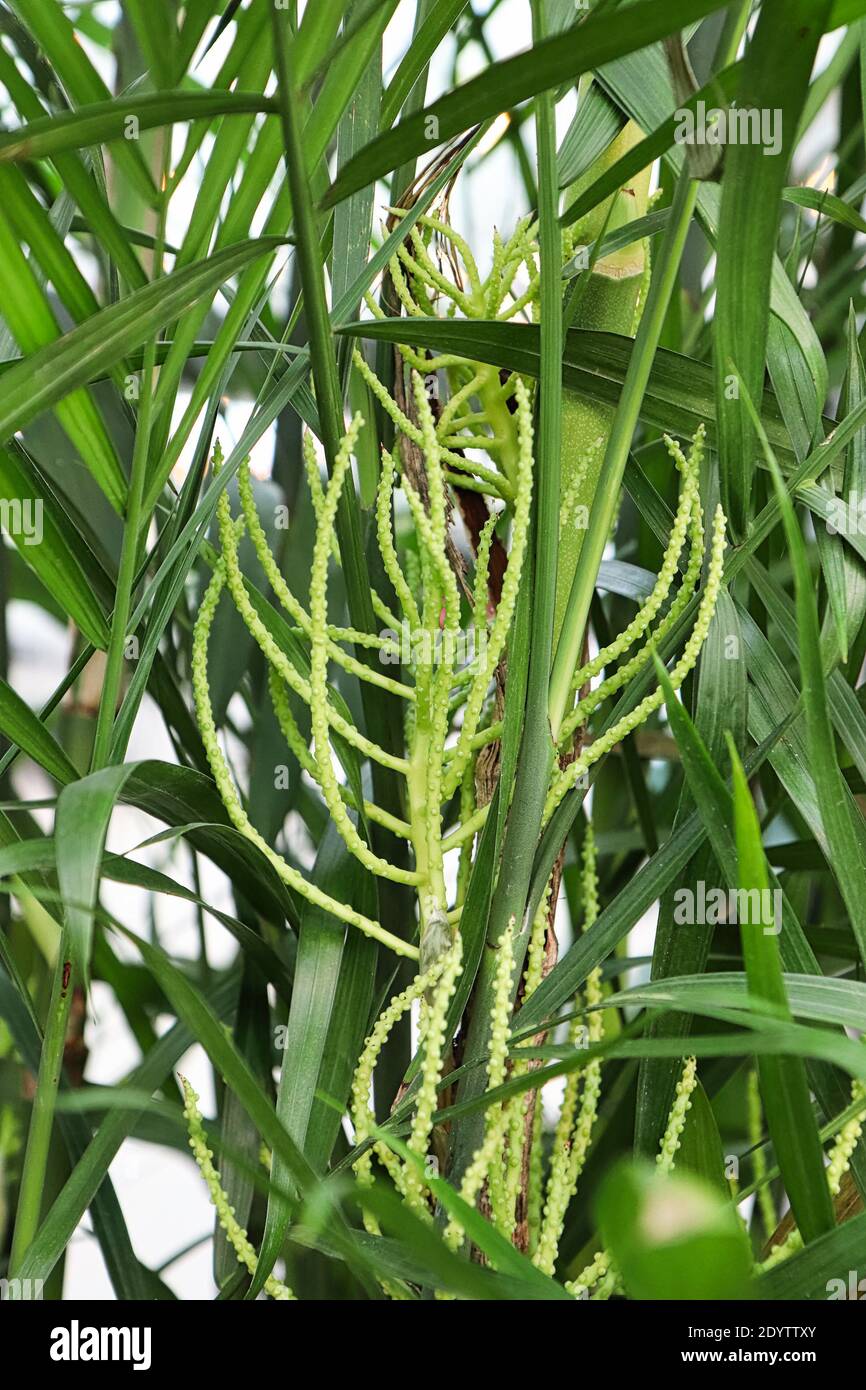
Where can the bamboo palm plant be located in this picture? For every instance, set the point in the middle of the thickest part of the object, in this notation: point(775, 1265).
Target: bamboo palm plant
point(496, 593)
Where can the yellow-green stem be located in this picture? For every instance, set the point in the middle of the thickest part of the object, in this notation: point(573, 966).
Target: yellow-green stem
point(42, 1115)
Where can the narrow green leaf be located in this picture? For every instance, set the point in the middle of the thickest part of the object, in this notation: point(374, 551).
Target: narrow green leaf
point(47, 376)
point(720, 704)
point(21, 726)
point(678, 397)
point(84, 810)
point(827, 204)
point(321, 942)
point(439, 21)
point(784, 1088)
point(815, 997)
point(837, 812)
point(754, 176)
point(104, 122)
point(87, 1177)
point(48, 553)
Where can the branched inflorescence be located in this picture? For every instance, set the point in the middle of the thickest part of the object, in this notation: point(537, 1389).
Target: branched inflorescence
point(465, 425)
point(478, 414)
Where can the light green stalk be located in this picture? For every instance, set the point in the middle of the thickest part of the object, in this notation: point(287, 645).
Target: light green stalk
point(574, 1131)
point(42, 1116)
point(600, 1279)
point(363, 1118)
point(237, 1236)
point(434, 1042)
point(755, 1118)
point(487, 1163)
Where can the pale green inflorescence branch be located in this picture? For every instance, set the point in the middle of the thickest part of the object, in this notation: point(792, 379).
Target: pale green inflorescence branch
point(433, 1033)
point(505, 611)
point(484, 1166)
point(327, 778)
point(599, 1279)
point(846, 1142)
point(362, 1115)
point(266, 558)
point(682, 1104)
point(759, 1162)
point(477, 416)
point(629, 722)
point(574, 1130)
point(438, 983)
point(689, 519)
point(237, 1236)
point(838, 1165)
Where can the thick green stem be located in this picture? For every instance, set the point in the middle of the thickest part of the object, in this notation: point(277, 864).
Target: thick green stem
point(42, 1115)
point(428, 851)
